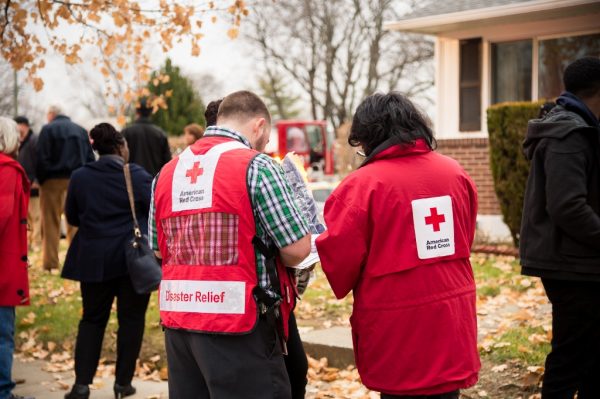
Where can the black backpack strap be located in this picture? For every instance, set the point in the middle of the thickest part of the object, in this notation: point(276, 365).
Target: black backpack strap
point(270, 263)
point(268, 305)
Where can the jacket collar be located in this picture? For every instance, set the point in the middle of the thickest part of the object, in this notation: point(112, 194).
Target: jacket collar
point(7, 161)
point(144, 119)
point(226, 132)
point(112, 158)
point(26, 139)
point(107, 162)
point(60, 116)
point(572, 103)
point(391, 148)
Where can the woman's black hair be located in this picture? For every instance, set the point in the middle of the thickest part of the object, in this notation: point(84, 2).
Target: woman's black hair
point(106, 139)
point(383, 116)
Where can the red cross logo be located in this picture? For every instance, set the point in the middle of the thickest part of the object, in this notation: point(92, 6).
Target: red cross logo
point(194, 172)
point(435, 219)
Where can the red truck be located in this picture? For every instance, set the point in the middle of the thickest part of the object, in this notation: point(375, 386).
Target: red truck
point(308, 139)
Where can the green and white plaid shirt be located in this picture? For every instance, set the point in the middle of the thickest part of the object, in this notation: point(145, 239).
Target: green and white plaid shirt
point(278, 219)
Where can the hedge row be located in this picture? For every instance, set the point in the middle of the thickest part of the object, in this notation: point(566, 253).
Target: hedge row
point(507, 127)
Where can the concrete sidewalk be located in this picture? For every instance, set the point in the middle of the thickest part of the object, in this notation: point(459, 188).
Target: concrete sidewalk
point(46, 385)
point(334, 343)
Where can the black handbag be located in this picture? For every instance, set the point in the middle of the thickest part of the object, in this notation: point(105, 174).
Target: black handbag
point(144, 270)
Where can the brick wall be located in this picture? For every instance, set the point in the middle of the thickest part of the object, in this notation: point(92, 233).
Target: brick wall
point(473, 155)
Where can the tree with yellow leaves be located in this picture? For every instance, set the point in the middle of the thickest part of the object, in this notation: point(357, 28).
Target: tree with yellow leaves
point(118, 29)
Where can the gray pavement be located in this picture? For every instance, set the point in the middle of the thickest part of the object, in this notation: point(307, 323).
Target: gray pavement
point(334, 343)
point(53, 385)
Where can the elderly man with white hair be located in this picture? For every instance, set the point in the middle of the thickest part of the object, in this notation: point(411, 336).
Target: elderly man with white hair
point(63, 146)
point(14, 284)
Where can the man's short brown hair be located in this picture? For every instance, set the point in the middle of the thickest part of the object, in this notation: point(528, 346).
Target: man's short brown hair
point(243, 105)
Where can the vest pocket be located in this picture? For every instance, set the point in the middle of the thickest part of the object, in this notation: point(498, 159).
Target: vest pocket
point(209, 239)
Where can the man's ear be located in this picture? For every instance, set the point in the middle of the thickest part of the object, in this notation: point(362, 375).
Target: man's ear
point(259, 123)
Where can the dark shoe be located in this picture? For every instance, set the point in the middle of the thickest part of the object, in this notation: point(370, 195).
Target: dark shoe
point(13, 396)
point(78, 391)
point(123, 390)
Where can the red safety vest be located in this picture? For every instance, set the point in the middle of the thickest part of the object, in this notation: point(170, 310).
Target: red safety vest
point(205, 227)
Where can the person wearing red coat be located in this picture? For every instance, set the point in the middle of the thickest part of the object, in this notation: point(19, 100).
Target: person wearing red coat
point(399, 234)
point(14, 284)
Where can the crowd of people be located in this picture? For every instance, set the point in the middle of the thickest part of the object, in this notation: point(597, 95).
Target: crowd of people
point(223, 222)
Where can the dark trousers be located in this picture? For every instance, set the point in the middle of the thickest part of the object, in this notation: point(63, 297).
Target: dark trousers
point(295, 361)
point(216, 366)
point(573, 365)
point(97, 299)
point(449, 395)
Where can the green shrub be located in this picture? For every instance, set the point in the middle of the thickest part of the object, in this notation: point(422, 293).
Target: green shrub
point(507, 126)
point(184, 105)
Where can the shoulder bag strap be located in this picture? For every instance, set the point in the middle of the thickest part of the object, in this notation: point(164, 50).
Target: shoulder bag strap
point(136, 227)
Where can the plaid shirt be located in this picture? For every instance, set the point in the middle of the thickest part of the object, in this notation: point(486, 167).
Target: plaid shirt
point(278, 219)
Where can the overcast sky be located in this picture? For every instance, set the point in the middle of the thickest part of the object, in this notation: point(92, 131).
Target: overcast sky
point(229, 61)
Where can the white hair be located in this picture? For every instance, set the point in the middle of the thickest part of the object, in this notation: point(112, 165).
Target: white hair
point(55, 109)
point(9, 136)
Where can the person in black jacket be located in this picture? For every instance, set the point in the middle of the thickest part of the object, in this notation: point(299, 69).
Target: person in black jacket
point(560, 232)
point(97, 202)
point(63, 146)
point(28, 159)
point(148, 144)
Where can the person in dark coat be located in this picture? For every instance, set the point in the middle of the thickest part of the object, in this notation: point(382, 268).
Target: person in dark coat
point(148, 144)
point(560, 231)
point(97, 203)
point(28, 159)
point(63, 146)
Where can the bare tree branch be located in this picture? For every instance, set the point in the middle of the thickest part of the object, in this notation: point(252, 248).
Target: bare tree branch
point(337, 51)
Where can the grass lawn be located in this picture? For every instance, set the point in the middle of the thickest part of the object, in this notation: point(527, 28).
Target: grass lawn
point(50, 323)
point(518, 336)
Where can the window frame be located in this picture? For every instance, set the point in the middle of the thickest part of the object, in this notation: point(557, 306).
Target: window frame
point(533, 63)
point(535, 47)
point(474, 125)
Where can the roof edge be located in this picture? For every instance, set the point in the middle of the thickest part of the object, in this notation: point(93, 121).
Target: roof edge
point(416, 24)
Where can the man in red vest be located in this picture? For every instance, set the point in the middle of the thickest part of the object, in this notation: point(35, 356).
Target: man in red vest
point(226, 224)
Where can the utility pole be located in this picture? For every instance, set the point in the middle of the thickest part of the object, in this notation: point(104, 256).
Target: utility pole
point(15, 92)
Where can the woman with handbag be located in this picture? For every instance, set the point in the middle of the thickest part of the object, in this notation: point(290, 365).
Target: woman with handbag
point(98, 203)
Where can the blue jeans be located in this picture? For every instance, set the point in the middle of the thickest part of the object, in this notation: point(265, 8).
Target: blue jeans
point(7, 347)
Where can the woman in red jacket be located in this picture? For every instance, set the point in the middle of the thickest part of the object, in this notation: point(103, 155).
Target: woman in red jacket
point(399, 234)
point(14, 286)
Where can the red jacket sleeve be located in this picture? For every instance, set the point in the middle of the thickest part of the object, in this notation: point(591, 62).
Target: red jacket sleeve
point(474, 201)
point(7, 195)
point(343, 247)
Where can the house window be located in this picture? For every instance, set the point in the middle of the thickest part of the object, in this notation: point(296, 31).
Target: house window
point(511, 71)
point(470, 85)
point(556, 54)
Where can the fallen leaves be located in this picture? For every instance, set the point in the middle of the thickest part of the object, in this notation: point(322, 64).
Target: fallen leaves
point(533, 377)
point(330, 382)
point(29, 320)
point(499, 368)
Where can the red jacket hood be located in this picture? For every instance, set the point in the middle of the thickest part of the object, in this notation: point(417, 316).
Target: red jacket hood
point(388, 149)
point(5, 160)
